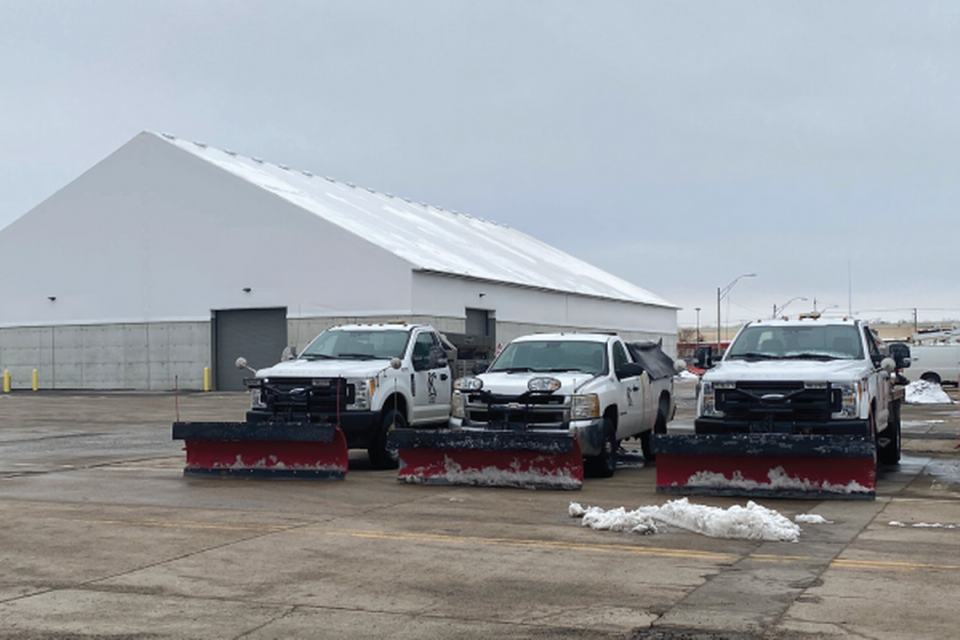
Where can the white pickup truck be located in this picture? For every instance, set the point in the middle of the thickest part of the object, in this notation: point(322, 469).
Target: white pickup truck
point(368, 378)
point(805, 376)
point(593, 387)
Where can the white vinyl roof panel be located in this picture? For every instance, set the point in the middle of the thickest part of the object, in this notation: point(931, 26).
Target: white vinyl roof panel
point(429, 238)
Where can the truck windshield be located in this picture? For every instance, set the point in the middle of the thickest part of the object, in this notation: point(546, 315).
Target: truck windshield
point(552, 355)
point(357, 345)
point(812, 342)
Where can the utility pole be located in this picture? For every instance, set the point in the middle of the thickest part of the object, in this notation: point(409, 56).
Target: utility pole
point(698, 327)
point(914, 320)
point(721, 293)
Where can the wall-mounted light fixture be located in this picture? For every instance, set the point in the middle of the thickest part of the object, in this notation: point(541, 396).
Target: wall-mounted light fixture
point(247, 289)
point(51, 298)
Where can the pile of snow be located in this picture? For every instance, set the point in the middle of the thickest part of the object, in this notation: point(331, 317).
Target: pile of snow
point(923, 392)
point(687, 375)
point(753, 522)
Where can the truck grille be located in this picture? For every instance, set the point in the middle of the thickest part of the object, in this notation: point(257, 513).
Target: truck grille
point(306, 398)
point(516, 413)
point(778, 401)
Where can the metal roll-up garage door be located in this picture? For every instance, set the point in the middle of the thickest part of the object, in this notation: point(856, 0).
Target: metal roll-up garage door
point(259, 335)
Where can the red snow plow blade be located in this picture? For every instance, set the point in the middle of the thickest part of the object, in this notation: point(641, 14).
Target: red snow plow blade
point(293, 450)
point(767, 465)
point(488, 459)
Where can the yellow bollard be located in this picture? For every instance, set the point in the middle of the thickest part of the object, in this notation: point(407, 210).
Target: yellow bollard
point(35, 379)
point(6, 381)
point(206, 378)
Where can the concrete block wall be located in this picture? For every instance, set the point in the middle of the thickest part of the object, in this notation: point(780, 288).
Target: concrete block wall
point(143, 356)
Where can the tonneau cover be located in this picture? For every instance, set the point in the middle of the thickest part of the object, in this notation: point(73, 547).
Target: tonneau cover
point(651, 356)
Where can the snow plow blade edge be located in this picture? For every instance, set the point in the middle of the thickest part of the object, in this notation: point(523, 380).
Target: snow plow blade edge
point(488, 458)
point(293, 450)
point(767, 465)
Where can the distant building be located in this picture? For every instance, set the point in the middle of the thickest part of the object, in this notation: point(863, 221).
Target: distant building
point(170, 256)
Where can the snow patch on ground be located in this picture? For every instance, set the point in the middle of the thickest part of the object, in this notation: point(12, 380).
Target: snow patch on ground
point(924, 525)
point(752, 522)
point(811, 518)
point(923, 392)
point(778, 480)
point(687, 375)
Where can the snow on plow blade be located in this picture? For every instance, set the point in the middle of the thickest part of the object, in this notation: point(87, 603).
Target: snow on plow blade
point(488, 458)
point(767, 465)
point(293, 450)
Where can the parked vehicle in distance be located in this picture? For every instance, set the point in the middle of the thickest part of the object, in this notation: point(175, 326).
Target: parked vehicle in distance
point(939, 363)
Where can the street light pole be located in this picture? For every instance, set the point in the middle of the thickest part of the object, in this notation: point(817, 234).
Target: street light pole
point(698, 327)
point(721, 294)
point(778, 310)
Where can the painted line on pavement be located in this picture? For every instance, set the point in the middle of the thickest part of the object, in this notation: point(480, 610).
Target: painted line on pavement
point(689, 554)
point(540, 544)
point(196, 525)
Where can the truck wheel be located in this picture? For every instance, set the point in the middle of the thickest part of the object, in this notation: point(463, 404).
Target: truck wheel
point(660, 426)
point(604, 463)
point(888, 440)
point(382, 457)
point(648, 454)
point(930, 376)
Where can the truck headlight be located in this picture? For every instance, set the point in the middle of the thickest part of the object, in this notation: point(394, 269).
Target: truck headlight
point(362, 392)
point(543, 384)
point(708, 401)
point(468, 384)
point(584, 407)
point(458, 405)
point(849, 399)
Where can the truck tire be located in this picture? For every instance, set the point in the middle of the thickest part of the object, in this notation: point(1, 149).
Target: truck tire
point(660, 426)
point(888, 440)
point(604, 464)
point(930, 376)
point(648, 455)
point(382, 457)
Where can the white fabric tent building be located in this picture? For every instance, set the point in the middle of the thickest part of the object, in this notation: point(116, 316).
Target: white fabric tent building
point(169, 257)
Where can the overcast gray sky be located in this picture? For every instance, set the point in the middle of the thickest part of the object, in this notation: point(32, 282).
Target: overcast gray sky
point(675, 144)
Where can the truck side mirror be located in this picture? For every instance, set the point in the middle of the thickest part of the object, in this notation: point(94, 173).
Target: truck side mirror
point(900, 353)
point(630, 369)
point(437, 357)
point(704, 356)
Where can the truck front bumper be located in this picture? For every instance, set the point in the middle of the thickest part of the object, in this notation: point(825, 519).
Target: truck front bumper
point(831, 427)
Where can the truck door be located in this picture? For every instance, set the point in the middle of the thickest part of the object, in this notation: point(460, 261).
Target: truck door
point(632, 395)
point(430, 380)
point(882, 379)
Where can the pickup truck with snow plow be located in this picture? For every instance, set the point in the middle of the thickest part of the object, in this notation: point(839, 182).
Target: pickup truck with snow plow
point(348, 388)
point(796, 408)
point(546, 405)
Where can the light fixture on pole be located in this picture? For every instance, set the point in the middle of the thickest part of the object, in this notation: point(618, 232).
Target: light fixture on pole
point(721, 294)
point(778, 310)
